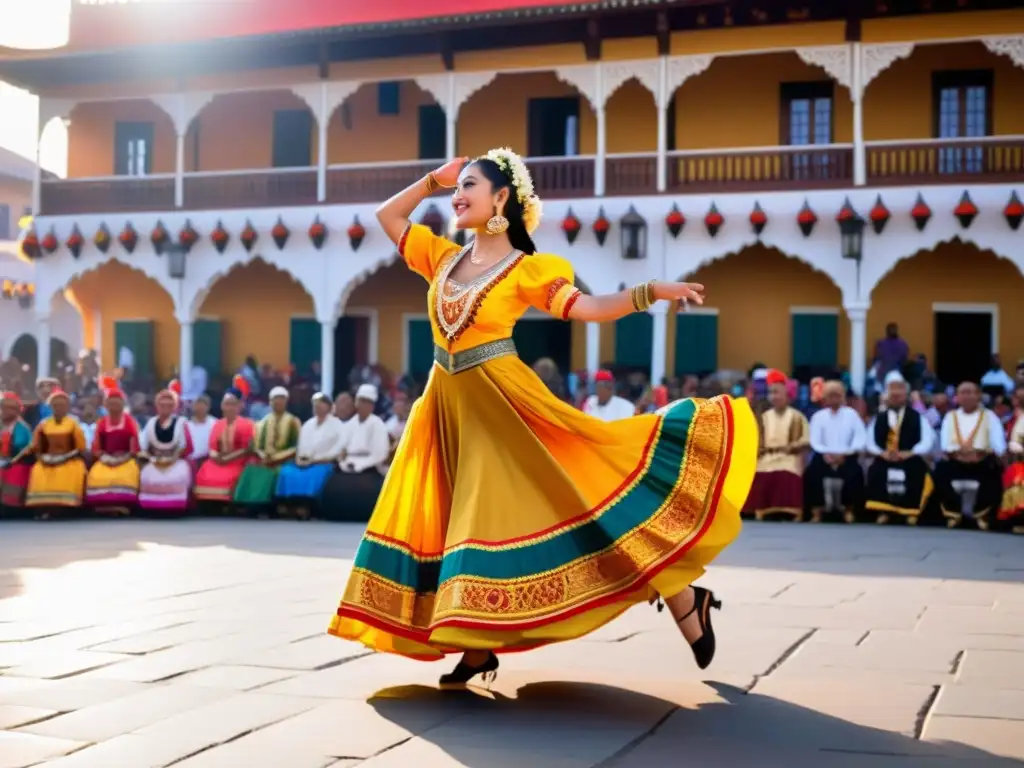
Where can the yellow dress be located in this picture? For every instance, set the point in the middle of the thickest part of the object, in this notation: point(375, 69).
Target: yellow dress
point(510, 519)
point(61, 485)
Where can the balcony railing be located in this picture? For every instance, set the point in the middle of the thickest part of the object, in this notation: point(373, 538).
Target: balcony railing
point(995, 159)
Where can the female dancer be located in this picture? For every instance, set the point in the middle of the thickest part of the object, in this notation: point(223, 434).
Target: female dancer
point(510, 519)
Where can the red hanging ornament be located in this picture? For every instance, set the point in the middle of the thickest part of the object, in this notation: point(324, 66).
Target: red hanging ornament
point(50, 243)
point(806, 219)
point(713, 220)
point(571, 226)
point(102, 238)
point(128, 238)
point(847, 212)
point(920, 213)
point(1014, 212)
point(758, 219)
point(601, 227)
point(158, 236)
point(30, 244)
point(188, 236)
point(249, 236)
point(675, 221)
point(75, 241)
point(280, 234)
point(879, 216)
point(356, 233)
point(220, 237)
point(966, 210)
point(317, 233)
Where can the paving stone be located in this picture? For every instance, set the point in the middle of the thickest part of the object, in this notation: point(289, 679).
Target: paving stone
point(64, 695)
point(997, 737)
point(966, 701)
point(993, 669)
point(11, 716)
point(236, 678)
point(314, 653)
point(65, 664)
point(18, 750)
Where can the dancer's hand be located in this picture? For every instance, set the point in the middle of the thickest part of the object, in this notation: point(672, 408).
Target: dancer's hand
point(448, 174)
point(683, 292)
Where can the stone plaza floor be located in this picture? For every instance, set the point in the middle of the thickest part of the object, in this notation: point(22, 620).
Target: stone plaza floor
point(201, 644)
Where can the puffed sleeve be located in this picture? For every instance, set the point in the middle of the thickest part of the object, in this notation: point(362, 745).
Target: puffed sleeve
point(423, 251)
point(546, 283)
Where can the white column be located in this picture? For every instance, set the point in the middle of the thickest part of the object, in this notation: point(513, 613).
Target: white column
point(451, 118)
point(860, 172)
point(323, 122)
point(97, 333)
point(602, 135)
point(179, 172)
point(37, 176)
point(593, 348)
point(185, 355)
point(661, 101)
point(659, 341)
point(327, 356)
point(43, 346)
point(858, 315)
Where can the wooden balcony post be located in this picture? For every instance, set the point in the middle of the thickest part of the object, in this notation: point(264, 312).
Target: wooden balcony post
point(323, 121)
point(860, 174)
point(661, 101)
point(602, 134)
point(451, 119)
point(179, 170)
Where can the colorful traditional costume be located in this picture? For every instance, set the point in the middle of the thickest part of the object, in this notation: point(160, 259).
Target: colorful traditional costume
point(778, 485)
point(319, 448)
point(15, 444)
point(277, 436)
point(167, 477)
point(980, 431)
point(510, 519)
point(114, 485)
point(216, 480)
point(1011, 511)
point(61, 481)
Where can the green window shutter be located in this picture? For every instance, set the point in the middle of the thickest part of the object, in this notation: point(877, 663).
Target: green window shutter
point(634, 340)
point(208, 346)
point(304, 344)
point(815, 340)
point(136, 335)
point(696, 343)
point(421, 347)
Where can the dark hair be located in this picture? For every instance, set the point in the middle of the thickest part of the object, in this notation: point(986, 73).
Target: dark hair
point(517, 234)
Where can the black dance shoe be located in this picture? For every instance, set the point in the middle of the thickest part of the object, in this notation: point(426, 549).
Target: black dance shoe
point(463, 672)
point(704, 646)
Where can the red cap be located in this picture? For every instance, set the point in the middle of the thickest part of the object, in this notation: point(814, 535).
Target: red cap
point(604, 376)
point(775, 377)
point(113, 393)
point(13, 396)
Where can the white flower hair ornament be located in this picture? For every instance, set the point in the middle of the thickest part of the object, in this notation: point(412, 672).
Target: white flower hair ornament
point(515, 170)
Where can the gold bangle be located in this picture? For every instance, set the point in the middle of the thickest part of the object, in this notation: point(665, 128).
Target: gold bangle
point(431, 182)
point(639, 296)
point(649, 292)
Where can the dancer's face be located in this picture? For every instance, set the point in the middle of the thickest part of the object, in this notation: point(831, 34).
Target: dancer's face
point(475, 199)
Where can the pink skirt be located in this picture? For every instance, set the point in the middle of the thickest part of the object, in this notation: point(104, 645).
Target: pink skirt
point(14, 484)
point(216, 482)
point(166, 489)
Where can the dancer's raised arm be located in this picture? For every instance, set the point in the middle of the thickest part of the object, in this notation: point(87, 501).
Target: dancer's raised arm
point(394, 213)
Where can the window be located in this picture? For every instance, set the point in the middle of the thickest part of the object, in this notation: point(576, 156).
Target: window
point(433, 128)
point(807, 119)
point(293, 138)
point(634, 341)
point(133, 149)
point(389, 100)
point(963, 110)
point(5, 222)
point(815, 338)
point(696, 342)
point(554, 127)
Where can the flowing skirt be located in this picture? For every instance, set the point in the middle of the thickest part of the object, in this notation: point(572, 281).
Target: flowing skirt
point(778, 492)
point(351, 496)
point(14, 484)
point(216, 482)
point(165, 488)
point(1011, 511)
point(510, 519)
point(256, 485)
point(295, 482)
point(112, 486)
point(59, 486)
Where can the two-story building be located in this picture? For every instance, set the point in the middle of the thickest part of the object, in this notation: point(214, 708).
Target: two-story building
point(738, 140)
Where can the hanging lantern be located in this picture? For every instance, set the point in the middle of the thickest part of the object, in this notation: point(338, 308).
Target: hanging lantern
point(159, 237)
point(433, 220)
point(966, 210)
point(128, 238)
point(75, 241)
point(280, 234)
point(806, 219)
point(1014, 212)
point(879, 216)
point(317, 233)
point(356, 234)
point(30, 244)
point(571, 226)
point(920, 213)
point(601, 226)
point(220, 237)
point(102, 239)
point(50, 243)
point(249, 236)
point(713, 220)
point(758, 219)
point(675, 221)
point(851, 230)
point(634, 235)
point(188, 237)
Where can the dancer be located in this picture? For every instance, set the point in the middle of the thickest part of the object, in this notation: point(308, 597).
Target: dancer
point(510, 519)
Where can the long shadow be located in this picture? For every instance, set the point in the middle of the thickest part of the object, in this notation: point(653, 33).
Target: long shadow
point(588, 724)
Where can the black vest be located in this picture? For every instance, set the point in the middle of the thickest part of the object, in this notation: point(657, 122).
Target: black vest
point(910, 429)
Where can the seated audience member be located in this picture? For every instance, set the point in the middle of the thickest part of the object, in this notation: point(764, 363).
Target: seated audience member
point(834, 480)
point(199, 429)
point(15, 454)
point(57, 479)
point(900, 439)
point(1011, 512)
point(604, 404)
point(344, 407)
point(166, 479)
point(113, 482)
point(277, 436)
point(351, 494)
point(785, 439)
point(301, 482)
point(400, 416)
point(969, 478)
point(230, 441)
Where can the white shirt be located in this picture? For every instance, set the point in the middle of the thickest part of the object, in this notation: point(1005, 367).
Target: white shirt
point(988, 437)
point(366, 444)
point(895, 417)
point(200, 432)
point(321, 440)
point(998, 378)
point(616, 408)
point(395, 428)
point(838, 432)
point(89, 430)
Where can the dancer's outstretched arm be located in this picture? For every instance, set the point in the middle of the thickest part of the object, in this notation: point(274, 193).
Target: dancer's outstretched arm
point(612, 306)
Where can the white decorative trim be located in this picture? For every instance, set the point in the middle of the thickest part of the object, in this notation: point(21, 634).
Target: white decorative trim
point(615, 74)
point(337, 93)
point(408, 317)
point(682, 68)
point(1011, 46)
point(373, 332)
point(875, 59)
point(836, 60)
point(814, 310)
point(468, 83)
point(51, 108)
point(438, 86)
point(582, 77)
point(955, 307)
point(313, 96)
point(202, 292)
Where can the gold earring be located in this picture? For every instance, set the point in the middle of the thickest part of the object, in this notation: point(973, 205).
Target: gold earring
point(497, 223)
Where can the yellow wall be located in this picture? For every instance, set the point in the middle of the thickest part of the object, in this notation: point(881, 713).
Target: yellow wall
point(954, 272)
point(255, 304)
point(91, 136)
point(392, 290)
point(119, 292)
